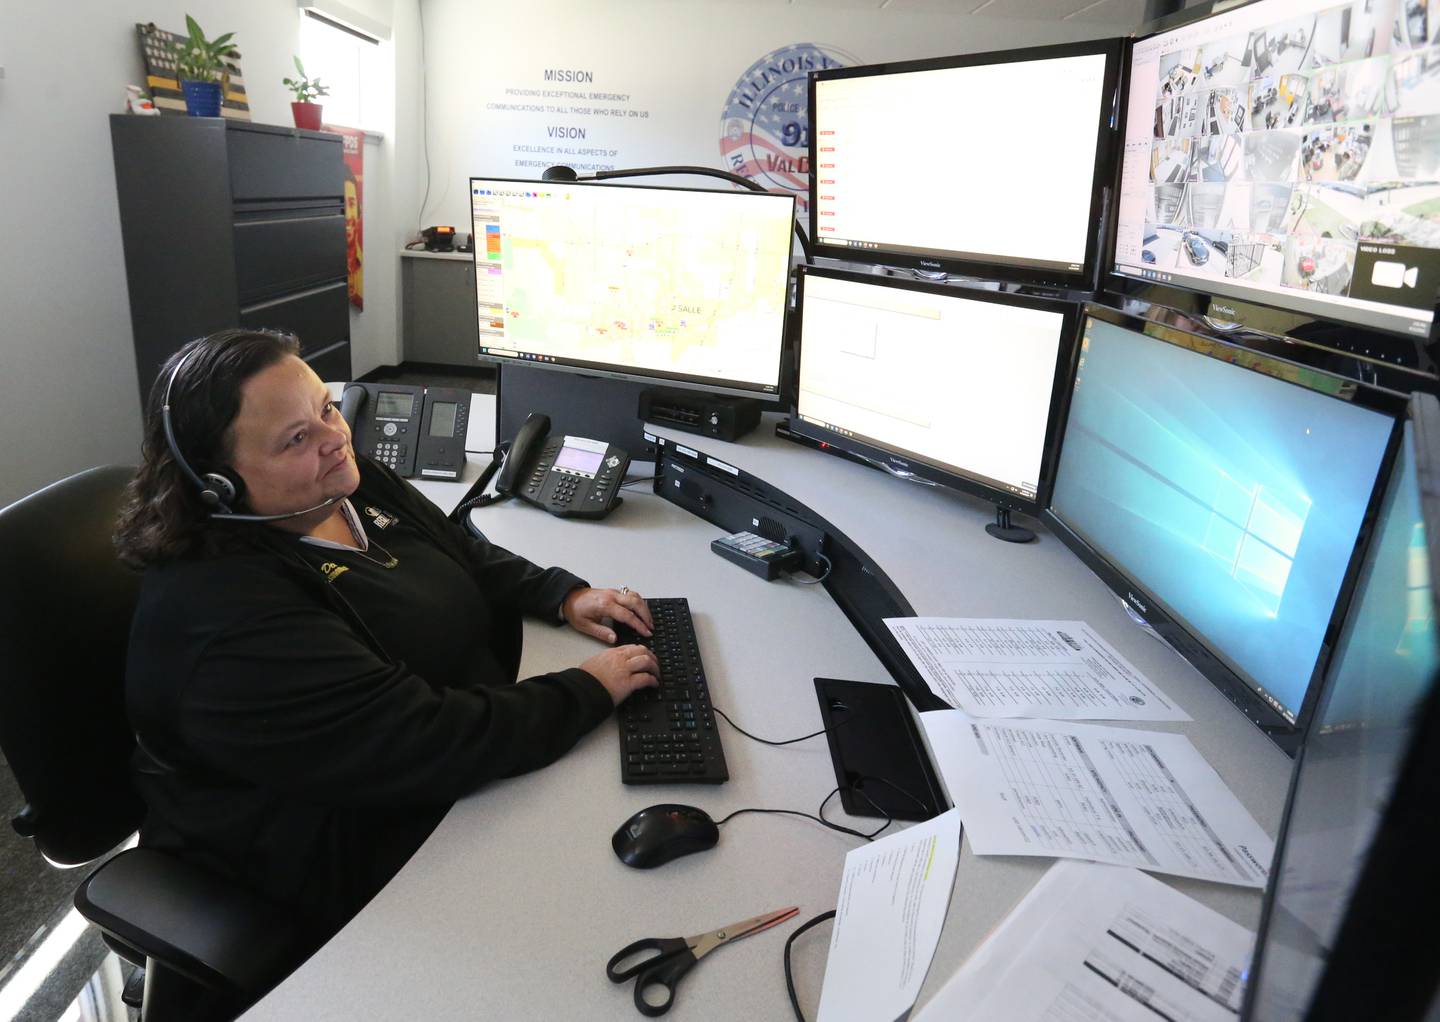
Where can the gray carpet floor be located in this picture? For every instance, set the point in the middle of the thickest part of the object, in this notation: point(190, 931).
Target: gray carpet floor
point(34, 897)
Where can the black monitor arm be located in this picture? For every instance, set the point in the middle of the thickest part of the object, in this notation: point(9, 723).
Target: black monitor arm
point(563, 173)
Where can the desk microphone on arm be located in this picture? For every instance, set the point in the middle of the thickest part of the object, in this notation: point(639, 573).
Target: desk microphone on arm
point(563, 173)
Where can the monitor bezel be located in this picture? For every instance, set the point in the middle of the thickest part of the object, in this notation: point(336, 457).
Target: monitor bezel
point(899, 461)
point(609, 370)
point(1353, 946)
point(1237, 305)
point(985, 265)
point(1188, 641)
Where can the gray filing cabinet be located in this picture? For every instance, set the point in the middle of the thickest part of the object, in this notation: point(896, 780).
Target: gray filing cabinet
point(232, 224)
point(439, 324)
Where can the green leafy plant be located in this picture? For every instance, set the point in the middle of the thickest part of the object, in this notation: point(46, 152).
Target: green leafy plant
point(200, 60)
point(306, 89)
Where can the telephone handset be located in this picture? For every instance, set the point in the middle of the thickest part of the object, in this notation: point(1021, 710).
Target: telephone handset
point(568, 476)
point(414, 430)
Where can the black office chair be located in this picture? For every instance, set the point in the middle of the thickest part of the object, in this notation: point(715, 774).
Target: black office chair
point(209, 948)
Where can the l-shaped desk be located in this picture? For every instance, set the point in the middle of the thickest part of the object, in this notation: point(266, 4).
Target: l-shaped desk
point(513, 905)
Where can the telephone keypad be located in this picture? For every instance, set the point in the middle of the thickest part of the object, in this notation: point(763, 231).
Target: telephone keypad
point(391, 454)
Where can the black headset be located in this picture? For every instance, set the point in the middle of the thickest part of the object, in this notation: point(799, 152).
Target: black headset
point(217, 490)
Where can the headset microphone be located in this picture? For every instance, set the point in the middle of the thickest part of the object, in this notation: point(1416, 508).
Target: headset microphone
point(232, 516)
point(216, 489)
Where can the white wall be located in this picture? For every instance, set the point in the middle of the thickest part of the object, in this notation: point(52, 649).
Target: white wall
point(68, 395)
point(678, 60)
point(67, 371)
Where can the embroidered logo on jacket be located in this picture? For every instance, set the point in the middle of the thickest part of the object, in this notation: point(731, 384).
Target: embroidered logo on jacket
point(382, 520)
point(332, 571)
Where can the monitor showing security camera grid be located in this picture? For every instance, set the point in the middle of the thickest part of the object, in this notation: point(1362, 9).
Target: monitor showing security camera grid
point(1287, 152)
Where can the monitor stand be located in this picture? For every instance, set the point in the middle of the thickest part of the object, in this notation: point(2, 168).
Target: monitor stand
point(1001, 528)
point(580, 405)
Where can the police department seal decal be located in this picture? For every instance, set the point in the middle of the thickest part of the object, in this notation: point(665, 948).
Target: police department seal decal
point(765, 126)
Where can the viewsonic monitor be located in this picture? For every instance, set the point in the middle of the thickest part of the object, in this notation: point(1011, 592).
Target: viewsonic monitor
point(1286, 153)
point(948, 385)
point(1222, 494)
point(990, 164)
point(1354, 864)
point(683, 287)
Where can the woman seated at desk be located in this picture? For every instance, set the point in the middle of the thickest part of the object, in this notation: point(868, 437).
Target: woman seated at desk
point(312, 690)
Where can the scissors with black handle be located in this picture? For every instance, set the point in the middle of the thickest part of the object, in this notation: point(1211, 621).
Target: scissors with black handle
point(674, 957)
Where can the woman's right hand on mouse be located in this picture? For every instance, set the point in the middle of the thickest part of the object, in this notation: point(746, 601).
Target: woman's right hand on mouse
point(623, 669)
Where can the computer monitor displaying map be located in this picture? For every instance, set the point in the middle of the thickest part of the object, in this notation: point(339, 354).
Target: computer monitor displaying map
point(686, 287)
point(1222, 493)
point(1287, 153)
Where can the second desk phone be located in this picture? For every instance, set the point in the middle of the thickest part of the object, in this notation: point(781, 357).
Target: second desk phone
point(416, 431)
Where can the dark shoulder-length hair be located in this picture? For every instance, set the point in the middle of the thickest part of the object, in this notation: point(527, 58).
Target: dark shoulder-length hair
point(163, 517)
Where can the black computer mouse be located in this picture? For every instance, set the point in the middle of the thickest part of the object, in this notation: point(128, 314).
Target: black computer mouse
point(657, 834)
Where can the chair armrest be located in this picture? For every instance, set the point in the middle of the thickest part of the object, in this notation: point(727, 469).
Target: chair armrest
point(199, 924)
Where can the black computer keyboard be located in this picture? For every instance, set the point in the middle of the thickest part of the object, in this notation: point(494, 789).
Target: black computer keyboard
point(668, 734)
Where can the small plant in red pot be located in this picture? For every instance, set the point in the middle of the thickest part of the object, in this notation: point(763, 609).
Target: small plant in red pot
point(307, 90)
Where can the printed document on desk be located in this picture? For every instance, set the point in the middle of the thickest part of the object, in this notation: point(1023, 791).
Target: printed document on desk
point(893, 898)
point(1004, 667)
point(1101, 944)
point(1086, 791)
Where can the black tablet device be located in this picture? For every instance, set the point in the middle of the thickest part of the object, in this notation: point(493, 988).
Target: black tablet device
point(881, 765)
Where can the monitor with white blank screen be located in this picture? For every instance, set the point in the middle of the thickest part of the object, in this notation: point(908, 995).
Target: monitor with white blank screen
point(988, 163)
point(680, 286)
point(937, 381)
point(1287, 152)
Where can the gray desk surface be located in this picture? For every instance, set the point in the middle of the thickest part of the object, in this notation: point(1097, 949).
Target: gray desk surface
point(514, 904)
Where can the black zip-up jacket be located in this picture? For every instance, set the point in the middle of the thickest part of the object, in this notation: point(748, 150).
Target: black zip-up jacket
point(281, 745)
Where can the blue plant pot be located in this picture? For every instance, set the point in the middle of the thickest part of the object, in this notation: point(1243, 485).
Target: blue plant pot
point(202, 99)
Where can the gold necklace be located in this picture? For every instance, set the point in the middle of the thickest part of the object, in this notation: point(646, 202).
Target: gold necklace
point(390, 559)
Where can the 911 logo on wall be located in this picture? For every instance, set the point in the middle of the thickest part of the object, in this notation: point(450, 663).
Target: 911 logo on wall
point(765, 126)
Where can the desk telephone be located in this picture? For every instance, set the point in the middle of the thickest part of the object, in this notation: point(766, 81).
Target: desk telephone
point(414, 430)
point(568, 476)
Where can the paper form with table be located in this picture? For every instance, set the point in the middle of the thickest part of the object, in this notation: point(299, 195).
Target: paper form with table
point(1101, 944)
point(1086, 791)
point(893, 898)
point(1005, 667)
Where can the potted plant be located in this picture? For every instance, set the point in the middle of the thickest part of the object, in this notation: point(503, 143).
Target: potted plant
point(307, 90)
point(200, 66)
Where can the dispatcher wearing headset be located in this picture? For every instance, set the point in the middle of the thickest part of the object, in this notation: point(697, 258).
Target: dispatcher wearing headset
point(321, 663)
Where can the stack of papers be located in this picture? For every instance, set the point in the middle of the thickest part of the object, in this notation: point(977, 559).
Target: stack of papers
point(893, 899)
point(1085, 791)
point(1101, 944)
point(1002, 667)
point(1091, 942)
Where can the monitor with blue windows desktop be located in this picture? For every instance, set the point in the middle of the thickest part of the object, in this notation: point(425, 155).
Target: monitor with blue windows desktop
point(1336, 937)
point(1222, 494)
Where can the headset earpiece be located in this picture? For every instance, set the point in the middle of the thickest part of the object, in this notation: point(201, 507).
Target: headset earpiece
point(219, 489)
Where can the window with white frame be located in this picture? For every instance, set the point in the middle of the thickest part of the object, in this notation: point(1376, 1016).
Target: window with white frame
point(346, 62)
